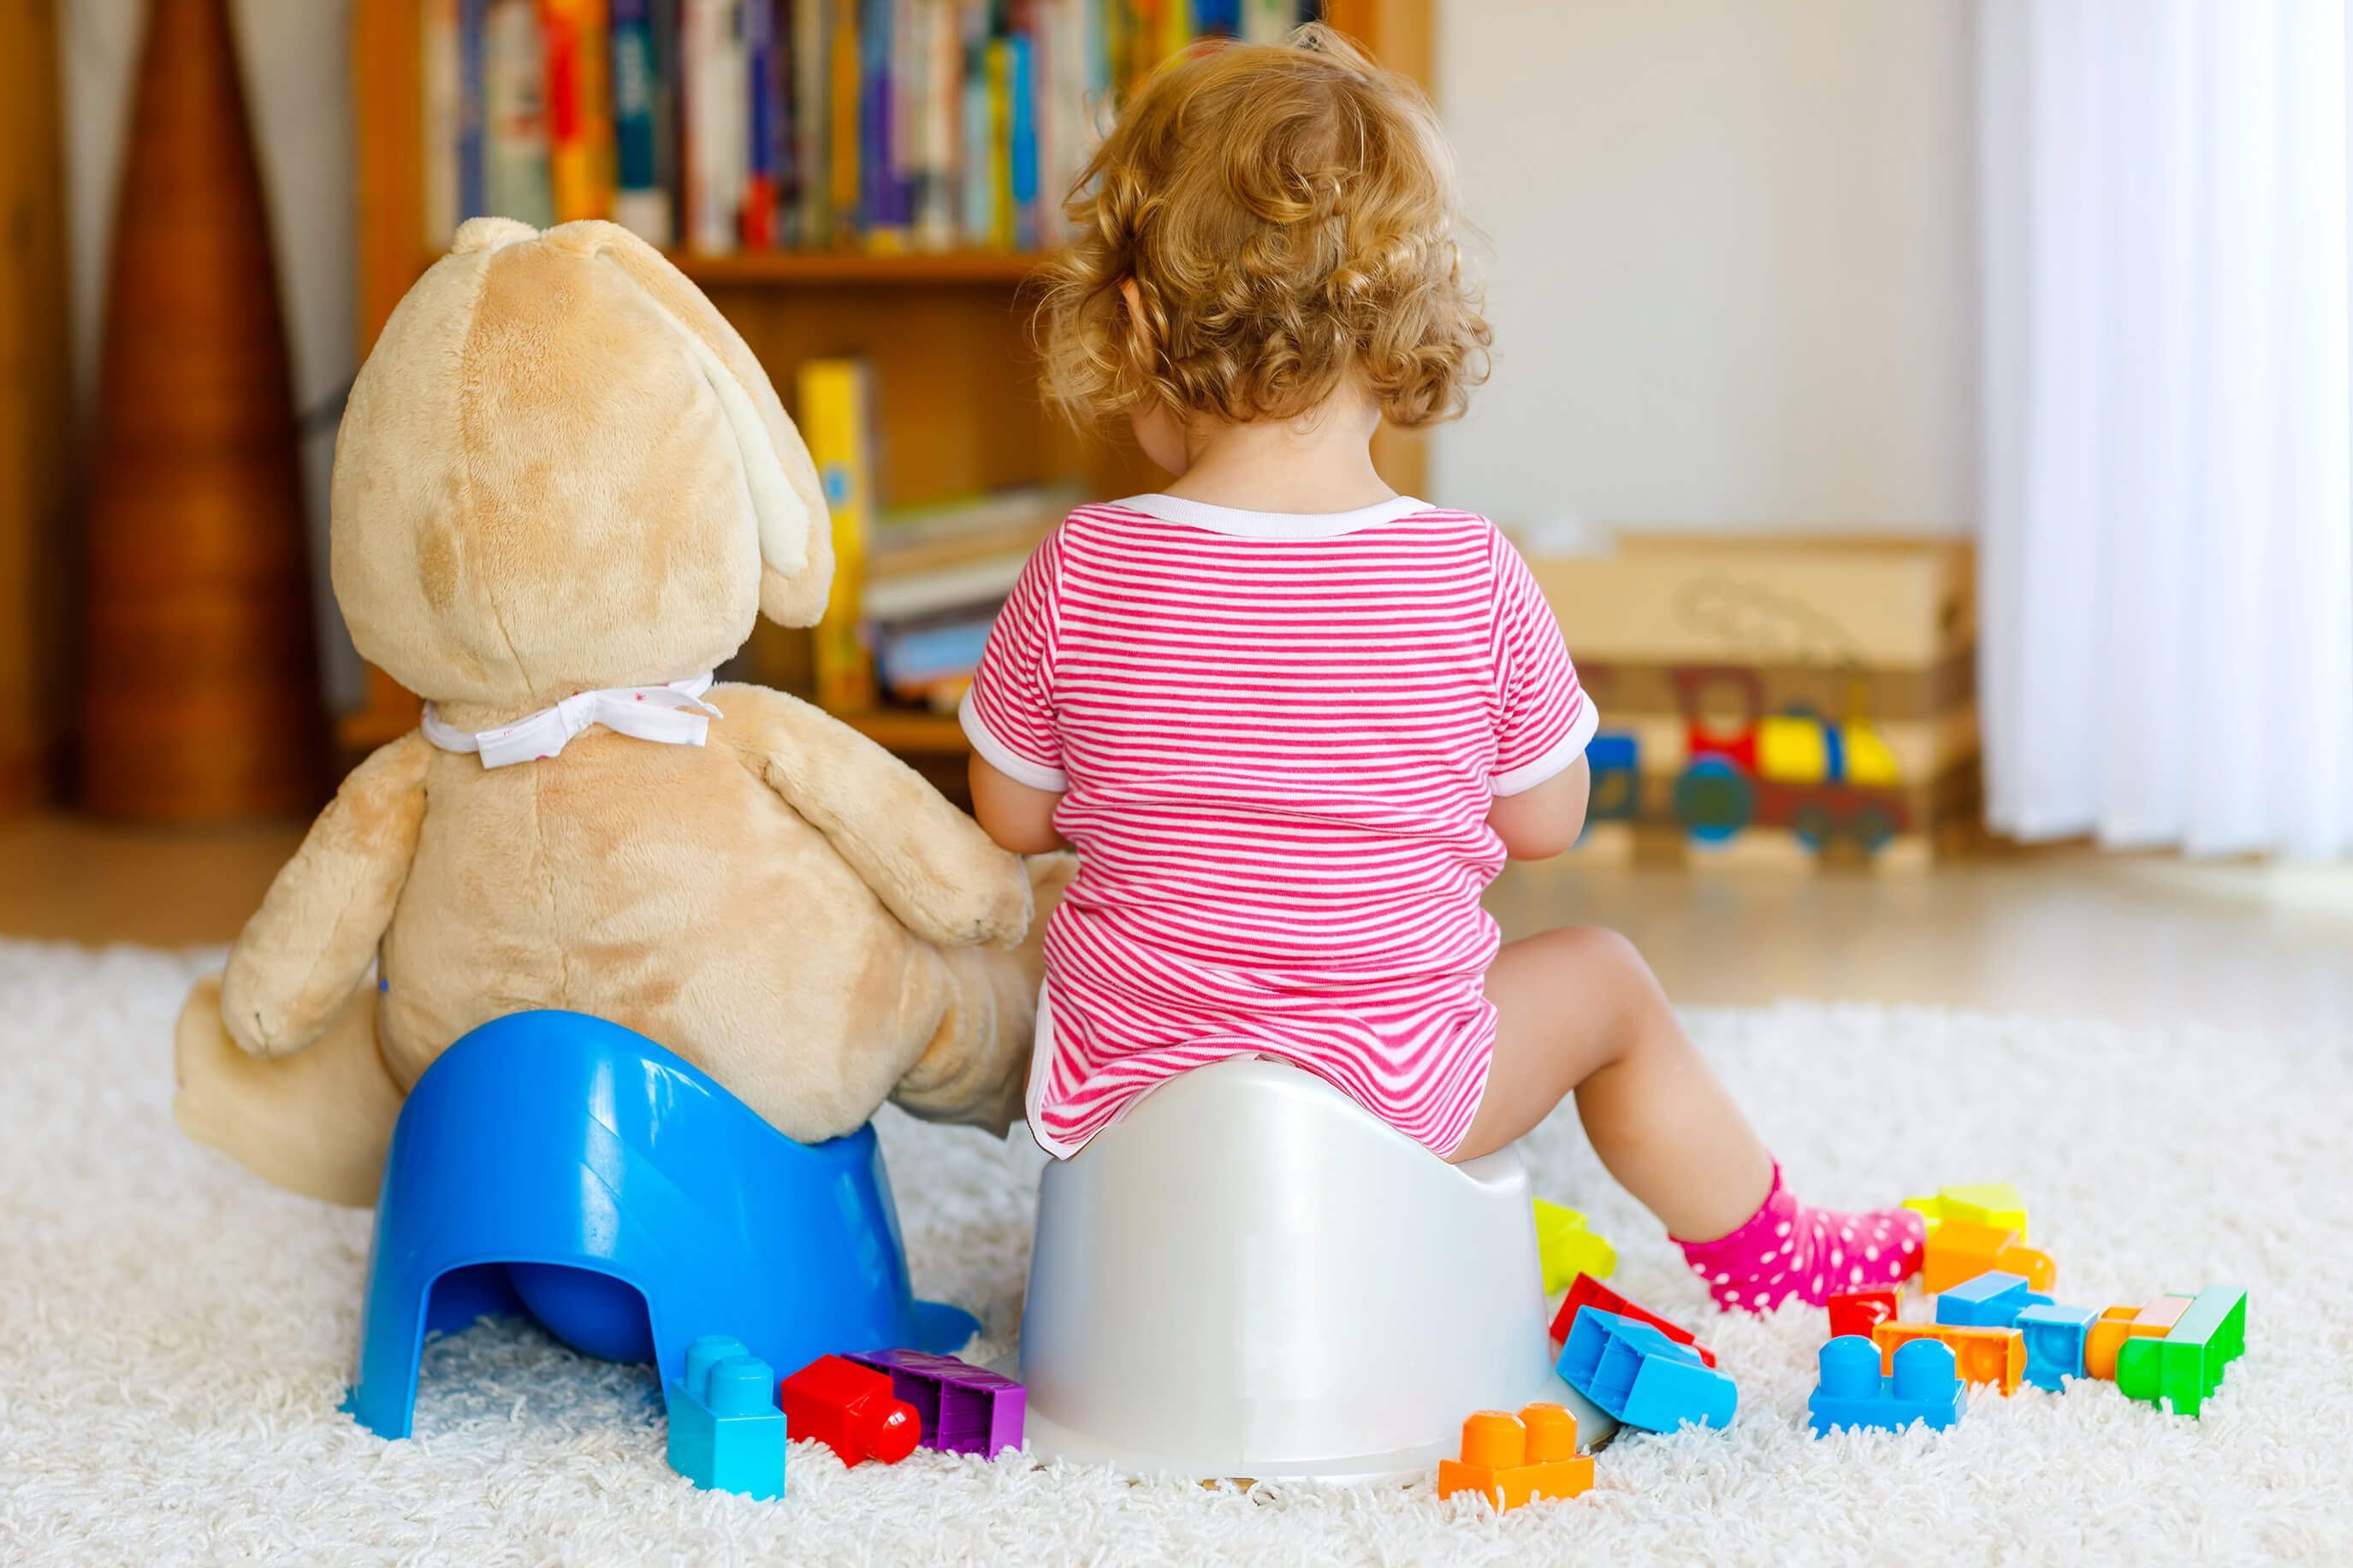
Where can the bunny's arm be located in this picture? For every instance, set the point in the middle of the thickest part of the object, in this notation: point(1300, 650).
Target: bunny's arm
point(316, 932)
point(929, 863)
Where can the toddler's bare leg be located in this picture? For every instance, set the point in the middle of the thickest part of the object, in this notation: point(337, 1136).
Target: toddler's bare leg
point(1577, 1009)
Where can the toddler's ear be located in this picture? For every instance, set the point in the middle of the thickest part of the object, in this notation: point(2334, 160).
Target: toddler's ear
point(788, 502)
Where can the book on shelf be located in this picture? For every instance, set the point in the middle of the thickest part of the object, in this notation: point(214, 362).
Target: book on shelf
point(516, 180)
point(875, 126)
point(936, 576)
point(836, 419)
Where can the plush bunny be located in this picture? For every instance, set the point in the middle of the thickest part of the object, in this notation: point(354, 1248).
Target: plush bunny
point(562, 491)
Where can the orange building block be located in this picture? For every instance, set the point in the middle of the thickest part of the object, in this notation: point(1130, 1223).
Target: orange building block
point(1511, 1459)
point(1981, 1356)
point(1960, 1250)
point(2153, 1321)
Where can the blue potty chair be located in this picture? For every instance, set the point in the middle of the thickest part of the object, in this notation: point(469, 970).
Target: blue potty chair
point(560, 1165)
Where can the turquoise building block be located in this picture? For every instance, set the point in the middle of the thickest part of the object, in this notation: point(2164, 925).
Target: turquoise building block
point(2187, 1364)
point(2054, 1342)
point(1642, 1377)
point(1992, 1300)
point(1926, 1387)
point(726, 1432)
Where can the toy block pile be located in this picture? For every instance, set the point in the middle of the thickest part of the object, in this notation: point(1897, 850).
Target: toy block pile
point(730, 1418)
point(1995, 1325)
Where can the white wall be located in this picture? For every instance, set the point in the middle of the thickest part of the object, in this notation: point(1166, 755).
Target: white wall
point(296, 60)
point(1729, 261)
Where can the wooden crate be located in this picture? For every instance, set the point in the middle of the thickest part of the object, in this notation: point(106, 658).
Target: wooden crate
point(1799, 700)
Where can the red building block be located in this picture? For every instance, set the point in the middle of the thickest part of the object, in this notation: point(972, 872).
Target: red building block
point(849, 1409)
point(1584, 1290)
point(1860, 1311)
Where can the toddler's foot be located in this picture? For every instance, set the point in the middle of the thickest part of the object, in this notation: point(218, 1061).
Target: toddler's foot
point(1786, 1250)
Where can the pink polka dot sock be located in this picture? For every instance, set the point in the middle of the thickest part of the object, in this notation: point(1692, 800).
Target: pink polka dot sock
point(1787, 1249)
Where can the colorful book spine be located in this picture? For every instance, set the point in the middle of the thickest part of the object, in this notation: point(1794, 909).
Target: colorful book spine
point(718, 121)
point(1001, 226)
point(579, 112)
point(936, 122)
point(878, 179)
point(835, 397)
point(473, 189)
point(515, 104)
point(440, 76)
point(812, 126)
point(843, 132)
point(1023, 151)
point(641, 197)
point(1269, 21)
point(764, 99)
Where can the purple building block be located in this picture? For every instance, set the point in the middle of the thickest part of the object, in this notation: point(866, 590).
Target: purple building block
point(965, 1409)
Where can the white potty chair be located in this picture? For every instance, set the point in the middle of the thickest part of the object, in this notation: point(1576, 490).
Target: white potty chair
point(1251, 1276)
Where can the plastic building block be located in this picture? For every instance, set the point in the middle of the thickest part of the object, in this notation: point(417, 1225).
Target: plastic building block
point(2054, 1342)
point(1584, 1290)
point(1995, 1204)
point(964, 1409)
point(1513, 1459)
point(850, 1408)
point(727, 1434)
point(1856, 1393)
point(2187, 1364)
point(1860, 1311)
point(1992, 1300)
point(2114, 1325)
point(1569, 1249)
point(1983, 1355)
point(1640, 1376)
point(1961, 1249)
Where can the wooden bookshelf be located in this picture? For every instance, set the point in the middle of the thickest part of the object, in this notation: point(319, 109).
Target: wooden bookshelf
point(958, 408)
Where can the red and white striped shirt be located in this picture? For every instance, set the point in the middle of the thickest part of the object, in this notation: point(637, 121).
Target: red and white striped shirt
point(1277, 738)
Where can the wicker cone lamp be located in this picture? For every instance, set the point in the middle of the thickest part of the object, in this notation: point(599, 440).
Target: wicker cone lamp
point(202, 687)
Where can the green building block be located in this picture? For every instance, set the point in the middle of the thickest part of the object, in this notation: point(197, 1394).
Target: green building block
point(1569, 1249)
point(2186, 1366)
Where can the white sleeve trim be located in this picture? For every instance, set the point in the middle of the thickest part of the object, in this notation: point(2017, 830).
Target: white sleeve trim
point(1001, 757)
point(1557, 757)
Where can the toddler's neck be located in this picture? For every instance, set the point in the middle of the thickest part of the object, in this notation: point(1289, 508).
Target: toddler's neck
point(1321, 463)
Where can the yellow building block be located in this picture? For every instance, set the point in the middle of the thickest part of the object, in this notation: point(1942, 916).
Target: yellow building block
point(1994, 1203)
point(1567, 1249)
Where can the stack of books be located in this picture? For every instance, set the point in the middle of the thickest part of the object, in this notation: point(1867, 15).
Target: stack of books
point(936, 576)
point(877, 126)
point(914, 589)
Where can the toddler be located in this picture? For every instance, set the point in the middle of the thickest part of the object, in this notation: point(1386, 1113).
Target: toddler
point(1295, 722)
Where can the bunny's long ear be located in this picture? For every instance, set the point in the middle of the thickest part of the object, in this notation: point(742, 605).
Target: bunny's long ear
point(787, 503)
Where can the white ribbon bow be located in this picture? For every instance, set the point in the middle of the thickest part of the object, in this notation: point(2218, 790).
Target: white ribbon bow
point(669, 714)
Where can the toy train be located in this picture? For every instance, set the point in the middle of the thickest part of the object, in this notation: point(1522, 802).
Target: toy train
point(1823, 781)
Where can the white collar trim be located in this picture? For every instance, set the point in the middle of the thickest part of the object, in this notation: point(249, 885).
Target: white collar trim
point(672, 715)
point(1271, 524)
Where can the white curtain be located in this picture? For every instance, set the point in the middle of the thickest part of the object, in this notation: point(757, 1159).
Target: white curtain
point(2166, 567)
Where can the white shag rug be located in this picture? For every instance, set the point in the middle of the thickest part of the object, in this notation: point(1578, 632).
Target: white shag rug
point(175, 1337)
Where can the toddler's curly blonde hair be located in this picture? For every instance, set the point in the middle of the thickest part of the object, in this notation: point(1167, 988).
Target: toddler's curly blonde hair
point(1288, 217)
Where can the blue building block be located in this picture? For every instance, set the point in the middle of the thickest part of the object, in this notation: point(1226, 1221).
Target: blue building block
point(1642, 1377)
point(2054, 1342)
point(1923, 1388)
point(1992, 1300)
point(726, 1432)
